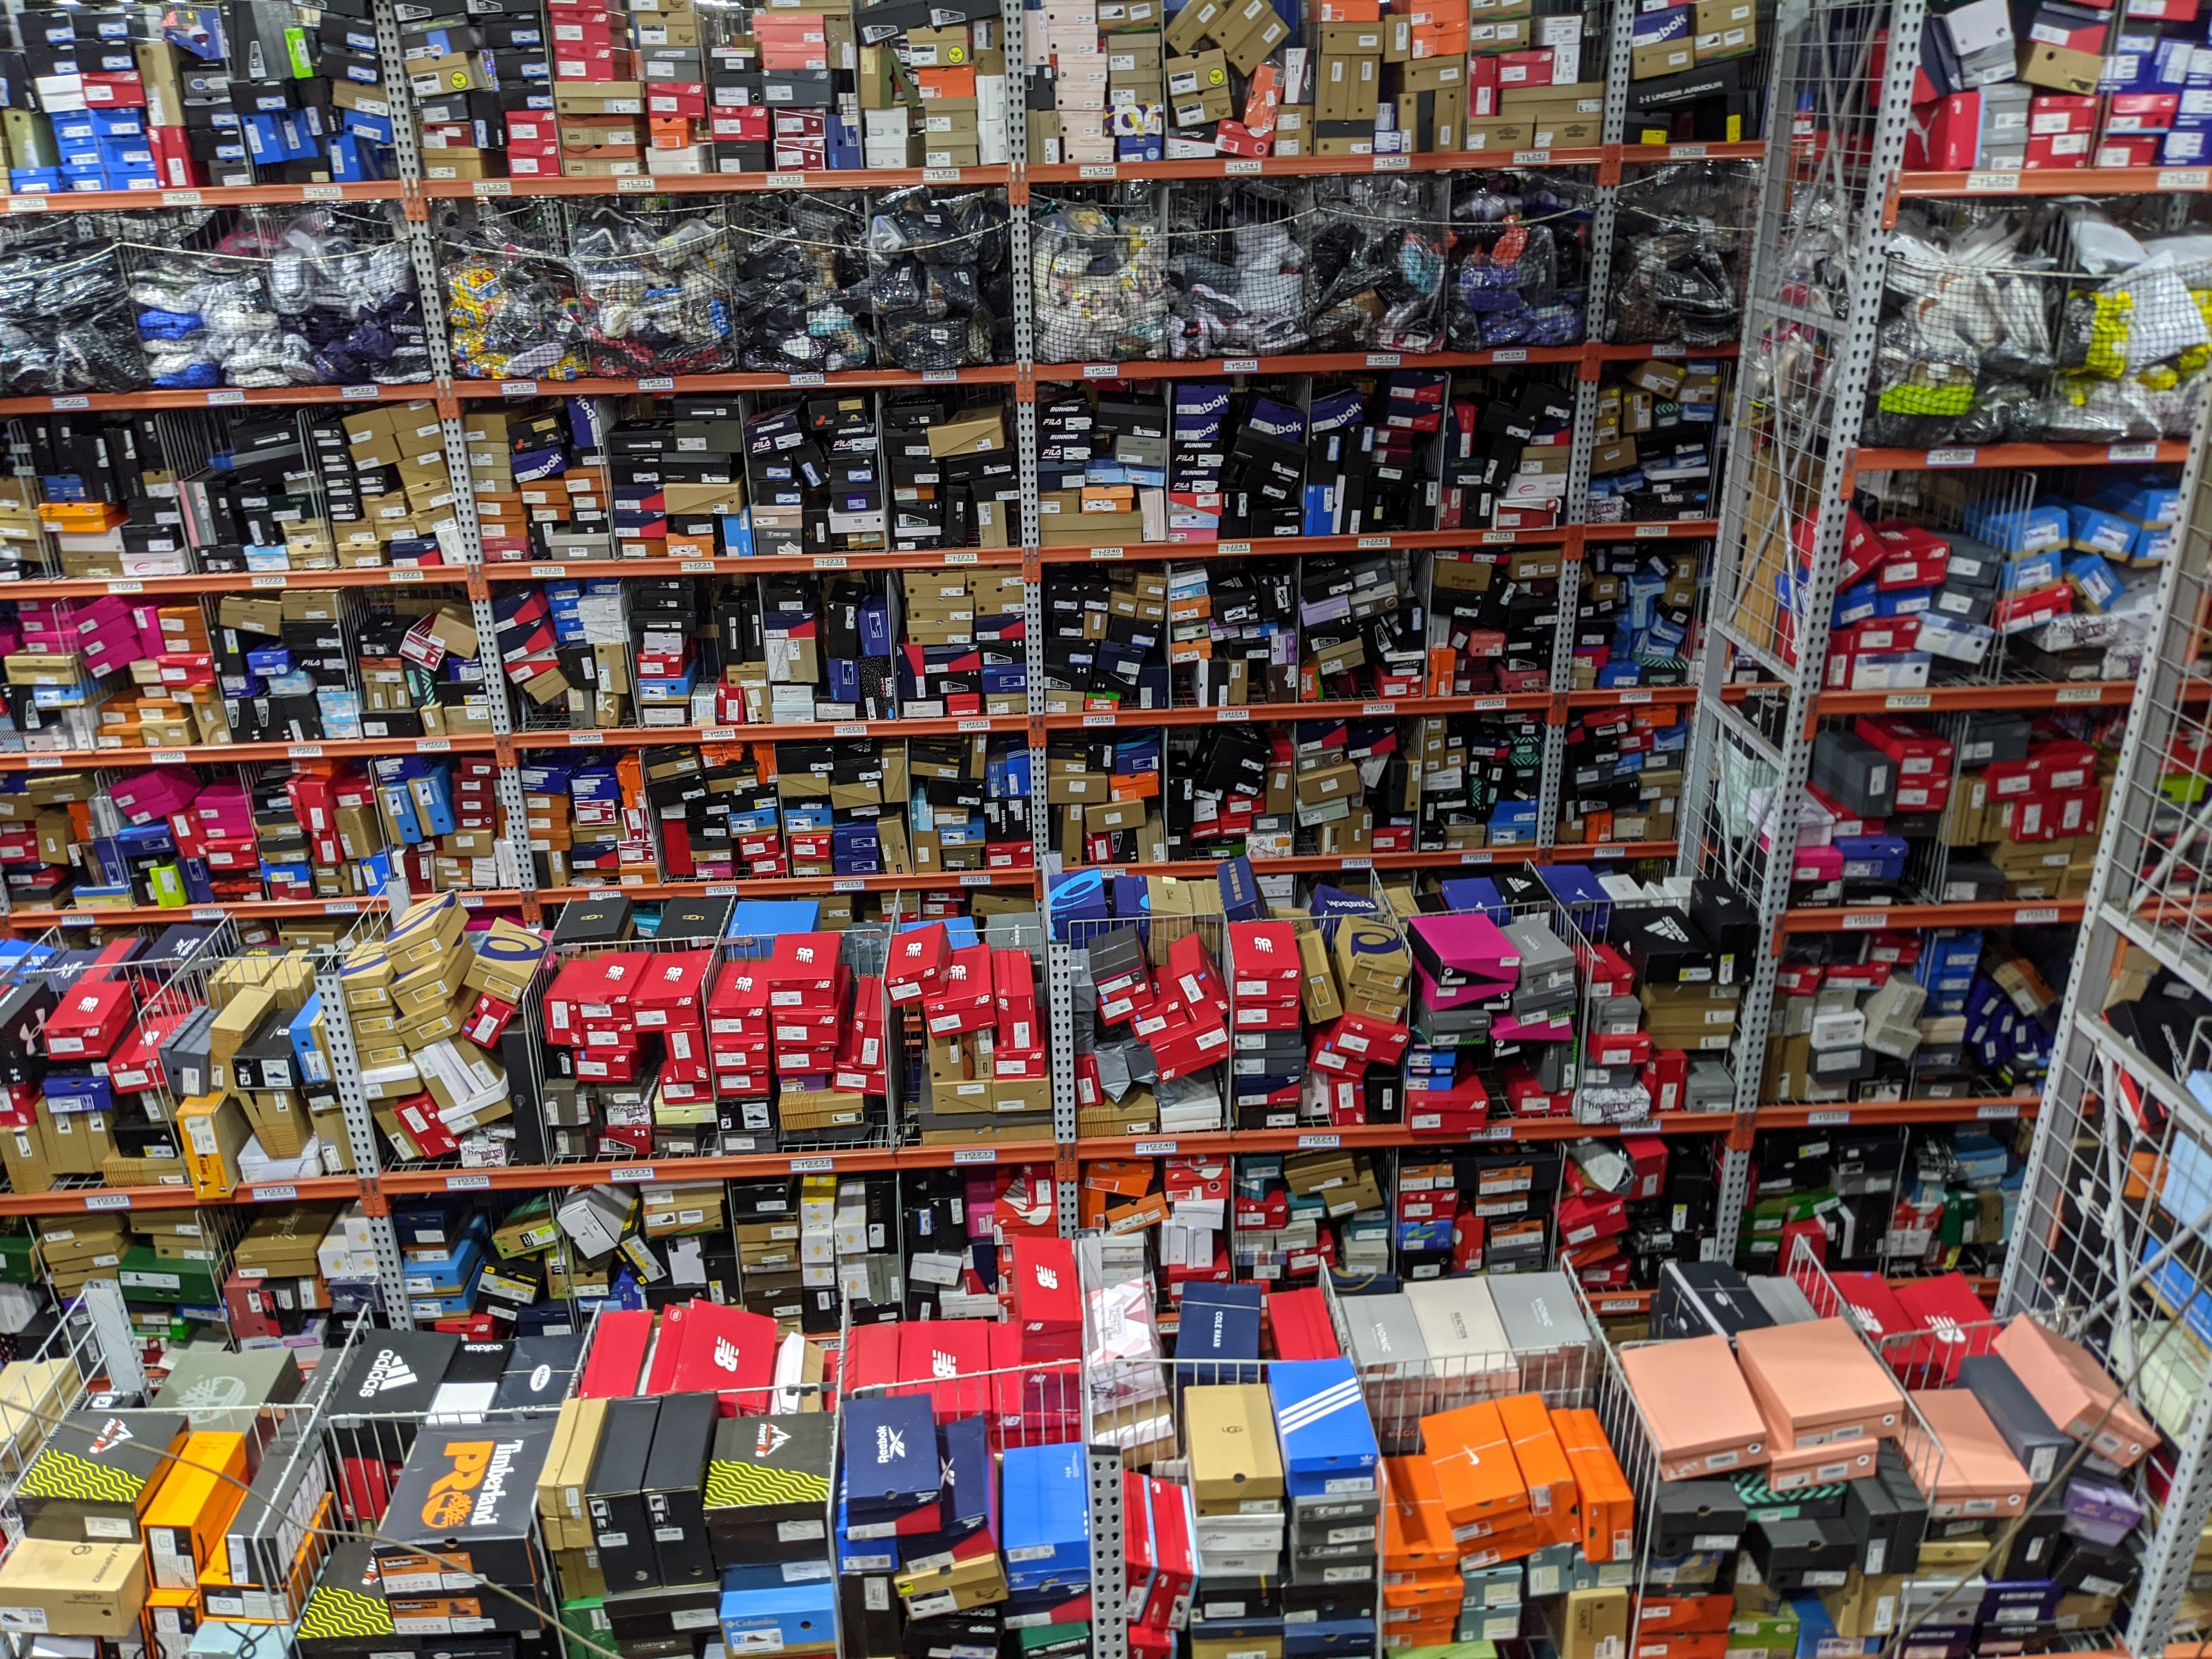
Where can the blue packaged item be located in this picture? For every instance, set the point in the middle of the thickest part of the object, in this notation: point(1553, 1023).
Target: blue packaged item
point(1329, 1638)
point(775, 1620)
point(2025, 572)
point(1044, 1521)
point(1577, 887)
point(2090, 530)
point(1240, 890)
point(2094, 582)
point(890, 1457)
point(79, 1091)
point(1321, 1418)
point(1871, 857)
point(1219, 1322)
point(2017, 529)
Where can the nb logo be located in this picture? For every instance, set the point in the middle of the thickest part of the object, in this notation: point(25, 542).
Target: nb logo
point(1048, 1280)
point(943, 1364)
point(726, 1353)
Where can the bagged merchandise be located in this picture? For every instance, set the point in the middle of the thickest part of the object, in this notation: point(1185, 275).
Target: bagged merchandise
point(1682, 254)
point(325, 298)
point(654, 285)
point(1519, 257)
point(801, 286)
point(938, 282)
point(1236, 271)
point(1376, 276)
point(510, 307)
point(62, 326)
point(1100, 276)
point(1988, 338)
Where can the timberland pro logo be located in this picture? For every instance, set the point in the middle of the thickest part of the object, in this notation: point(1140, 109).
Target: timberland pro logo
point(452, 1496)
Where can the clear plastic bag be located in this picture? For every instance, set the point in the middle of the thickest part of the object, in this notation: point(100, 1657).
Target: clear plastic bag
point(937, 276)
point(511, 312)
point(343, 286)
point(1681, 253)
point(1235, 272)
point(654, 285)
point(65, 322)
point(1374, 279)
point(1518, 261)
point(1099, 282)
point(801, 295)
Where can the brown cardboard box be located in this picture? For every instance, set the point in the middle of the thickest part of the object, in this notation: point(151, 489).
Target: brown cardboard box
point(74, 1590)
point(1235, 1459)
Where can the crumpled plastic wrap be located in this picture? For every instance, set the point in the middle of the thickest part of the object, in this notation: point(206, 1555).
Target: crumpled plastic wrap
point(1375, 278)
point(1992, 334)
point(937, 276)
point(1518, 261)
point(65, 325)
point(1682, 254)
point(325, 298)
point(802, 284)
point(511, 312)
point(1235, 272)
point(1099, 282)
point(654, 287)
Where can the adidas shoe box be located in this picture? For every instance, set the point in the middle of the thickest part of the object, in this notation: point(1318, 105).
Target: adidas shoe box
point(391, 1380)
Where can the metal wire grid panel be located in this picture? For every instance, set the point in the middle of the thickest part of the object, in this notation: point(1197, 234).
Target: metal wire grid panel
point(1400, 1393)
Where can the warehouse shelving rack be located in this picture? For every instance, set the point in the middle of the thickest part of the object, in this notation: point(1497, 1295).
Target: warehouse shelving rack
point(1838, 134)
point(467, 568)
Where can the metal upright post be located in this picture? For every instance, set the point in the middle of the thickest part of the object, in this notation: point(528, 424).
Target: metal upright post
point(361, 1136)
point(1792, 466)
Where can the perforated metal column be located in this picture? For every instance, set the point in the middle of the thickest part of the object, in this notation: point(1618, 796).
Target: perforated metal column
point(361, 1136)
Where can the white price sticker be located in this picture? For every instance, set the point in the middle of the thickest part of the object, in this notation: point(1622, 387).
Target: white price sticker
point(1098, 170)
point(272, 1194)
point(1866, 921)
point(517, 388)
point(657, 383)
point(2004, 1111)
point(1384, 359)
point(1822, 1120)
point(1393, 163)
point(468, 1184)
point(107, 1200)
point(180, 198)
point(1320, 1143)
point(1953, 457)
point(2035, 915)
point(623, 1174)
point(1229, 715)
point(1102, 371)
point(216, 399)
point(1240, 166)
point(1240, 364)
point(2185, 179)
point(586, 739)
point(2130, 451)
point(1155, 1149)
point(1993, 184)
point(1107, 552)
point(2079, 694)
point(1908, 699)
point(491, 187)
point(303, 751)
point(974, 1155)
point(812, 1165)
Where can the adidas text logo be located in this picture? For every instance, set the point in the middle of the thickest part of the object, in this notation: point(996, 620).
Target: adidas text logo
point(387, 1371)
